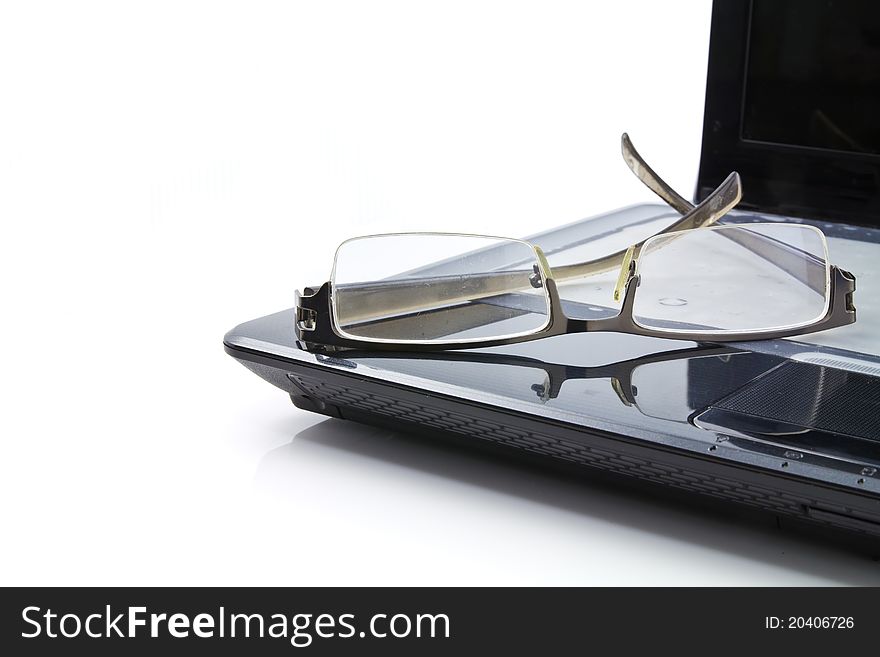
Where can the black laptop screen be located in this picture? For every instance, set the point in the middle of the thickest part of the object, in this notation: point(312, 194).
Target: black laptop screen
point(813, 74)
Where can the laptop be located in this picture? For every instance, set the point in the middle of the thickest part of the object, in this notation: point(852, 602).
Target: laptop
point(787, 430)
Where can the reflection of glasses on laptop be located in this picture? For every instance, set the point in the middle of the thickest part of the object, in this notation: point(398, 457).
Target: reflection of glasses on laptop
point(693, 280)
point(646, 382)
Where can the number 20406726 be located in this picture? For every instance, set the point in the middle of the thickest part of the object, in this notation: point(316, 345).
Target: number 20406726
point(809, 622)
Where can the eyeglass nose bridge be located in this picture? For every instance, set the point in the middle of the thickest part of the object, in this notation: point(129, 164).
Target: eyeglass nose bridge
point(621, 322)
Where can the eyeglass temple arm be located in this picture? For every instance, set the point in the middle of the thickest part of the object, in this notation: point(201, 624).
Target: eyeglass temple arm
point(723, 199)
point(650, 178)
point(807, 270)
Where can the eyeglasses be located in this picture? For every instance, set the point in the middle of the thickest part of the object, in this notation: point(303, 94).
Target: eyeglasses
point(694, 280)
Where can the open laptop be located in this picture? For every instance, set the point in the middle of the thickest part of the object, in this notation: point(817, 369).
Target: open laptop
point(787, 429)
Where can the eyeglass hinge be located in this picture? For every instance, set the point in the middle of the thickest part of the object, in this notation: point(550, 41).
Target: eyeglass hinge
point(306, 318)
point(535, 279)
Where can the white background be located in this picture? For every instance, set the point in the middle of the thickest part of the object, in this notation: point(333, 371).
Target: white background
point(171, 169)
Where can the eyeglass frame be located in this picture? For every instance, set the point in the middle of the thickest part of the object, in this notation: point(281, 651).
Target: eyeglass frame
point(315, 322)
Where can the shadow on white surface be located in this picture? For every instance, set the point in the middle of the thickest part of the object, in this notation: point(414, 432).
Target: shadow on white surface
point(539, 523)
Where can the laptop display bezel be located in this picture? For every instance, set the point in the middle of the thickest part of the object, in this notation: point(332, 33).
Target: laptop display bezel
point(782, 179)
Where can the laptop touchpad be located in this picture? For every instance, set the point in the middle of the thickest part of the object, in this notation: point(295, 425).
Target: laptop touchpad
point(813, 408)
